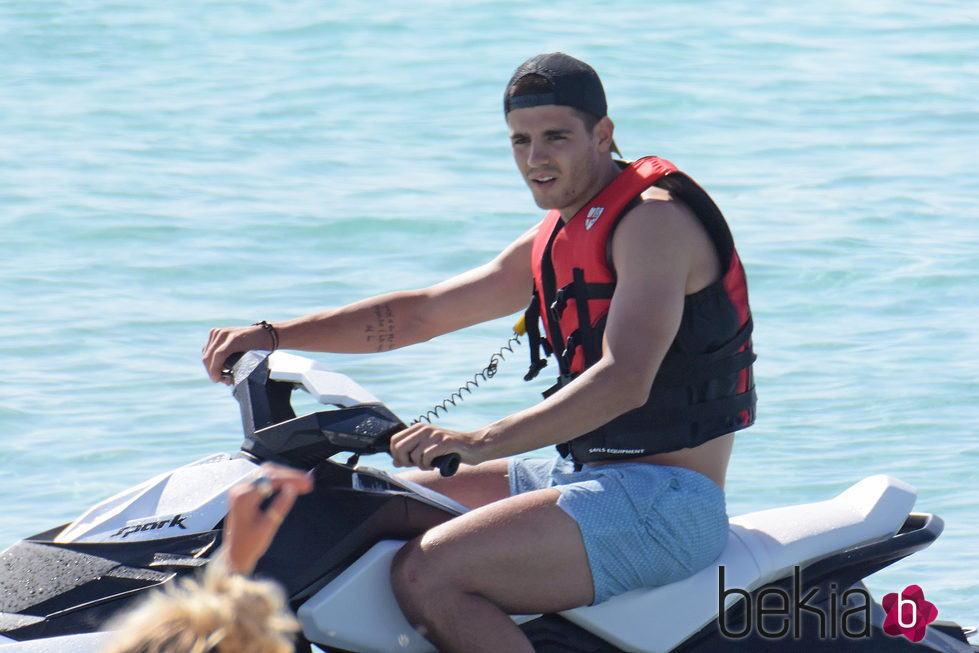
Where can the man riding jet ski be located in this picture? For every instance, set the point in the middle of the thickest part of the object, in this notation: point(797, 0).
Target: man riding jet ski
point(639, 294)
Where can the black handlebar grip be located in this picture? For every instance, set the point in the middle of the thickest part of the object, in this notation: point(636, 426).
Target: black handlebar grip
point(447, 464)
point(227, 370)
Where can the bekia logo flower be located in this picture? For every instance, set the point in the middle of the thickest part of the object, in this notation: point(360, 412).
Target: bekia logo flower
point(908, 613)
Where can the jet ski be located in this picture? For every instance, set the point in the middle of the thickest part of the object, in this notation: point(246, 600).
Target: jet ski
point(790, 578)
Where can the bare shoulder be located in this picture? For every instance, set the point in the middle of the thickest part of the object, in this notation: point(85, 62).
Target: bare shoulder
point(665, 227)
point(654, 193)
point(495, 289)
point(515, 258)
point(661, 210)
point(526, 239)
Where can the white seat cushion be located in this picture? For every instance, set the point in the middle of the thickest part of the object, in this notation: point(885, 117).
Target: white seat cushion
point(763, 546)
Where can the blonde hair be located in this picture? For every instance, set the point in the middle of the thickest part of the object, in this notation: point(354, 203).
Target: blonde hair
point(223, 613)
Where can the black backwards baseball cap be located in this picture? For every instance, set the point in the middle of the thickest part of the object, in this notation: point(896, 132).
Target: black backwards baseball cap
point(568, 82)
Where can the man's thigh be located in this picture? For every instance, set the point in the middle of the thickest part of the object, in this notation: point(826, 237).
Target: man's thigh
point(523, 553)
point(472, 485)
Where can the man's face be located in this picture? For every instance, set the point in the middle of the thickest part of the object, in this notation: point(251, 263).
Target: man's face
point(557, 157)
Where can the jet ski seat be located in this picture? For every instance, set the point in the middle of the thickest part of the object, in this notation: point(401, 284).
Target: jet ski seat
point(763, 546)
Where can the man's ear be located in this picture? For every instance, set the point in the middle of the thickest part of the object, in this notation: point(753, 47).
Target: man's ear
point(603, 131)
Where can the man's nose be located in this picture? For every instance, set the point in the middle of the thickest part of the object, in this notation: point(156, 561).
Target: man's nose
point(537, 155)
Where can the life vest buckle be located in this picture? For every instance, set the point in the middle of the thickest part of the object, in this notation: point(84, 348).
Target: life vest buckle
point(535, 368)
point(560, 302)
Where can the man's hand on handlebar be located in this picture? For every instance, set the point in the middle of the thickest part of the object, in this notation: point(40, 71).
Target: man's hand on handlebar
point(224, 342)
point(427, 446)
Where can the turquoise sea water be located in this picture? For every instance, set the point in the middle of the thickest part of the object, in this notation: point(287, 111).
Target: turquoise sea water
point(166, 168)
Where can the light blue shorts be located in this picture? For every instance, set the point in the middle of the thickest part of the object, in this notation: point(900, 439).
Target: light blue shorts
point(643, 525)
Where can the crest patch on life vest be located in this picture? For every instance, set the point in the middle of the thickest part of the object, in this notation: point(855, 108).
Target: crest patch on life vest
point(593, 215)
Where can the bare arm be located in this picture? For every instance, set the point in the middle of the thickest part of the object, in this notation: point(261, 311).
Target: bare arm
point(248, 530)
point(397, 319)
point(657, 248)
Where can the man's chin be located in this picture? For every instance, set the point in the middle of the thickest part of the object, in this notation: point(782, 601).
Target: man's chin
point(543, 202)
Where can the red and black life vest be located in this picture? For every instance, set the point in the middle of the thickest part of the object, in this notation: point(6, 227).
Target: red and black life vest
point(704, 387)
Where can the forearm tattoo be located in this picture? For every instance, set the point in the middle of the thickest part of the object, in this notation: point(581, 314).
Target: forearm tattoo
point(380, 331)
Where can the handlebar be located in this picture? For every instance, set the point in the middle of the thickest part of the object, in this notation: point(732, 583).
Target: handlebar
point(447, 464)
point(274, 432)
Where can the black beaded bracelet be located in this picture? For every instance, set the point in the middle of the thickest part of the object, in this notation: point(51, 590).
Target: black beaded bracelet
point(272, 333)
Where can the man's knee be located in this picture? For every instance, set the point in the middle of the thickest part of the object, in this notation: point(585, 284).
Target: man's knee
point(412, 579)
